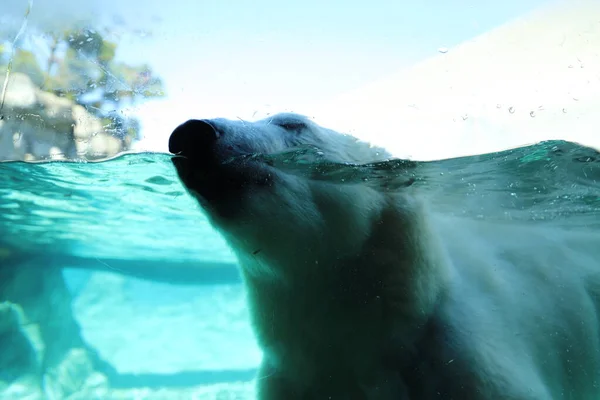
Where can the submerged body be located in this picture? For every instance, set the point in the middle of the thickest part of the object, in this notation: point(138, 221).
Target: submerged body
point(361, 293)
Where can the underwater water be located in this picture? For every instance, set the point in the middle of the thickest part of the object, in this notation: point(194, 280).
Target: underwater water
point(155, 290)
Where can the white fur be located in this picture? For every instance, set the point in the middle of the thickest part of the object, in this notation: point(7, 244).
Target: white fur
point(357, 293)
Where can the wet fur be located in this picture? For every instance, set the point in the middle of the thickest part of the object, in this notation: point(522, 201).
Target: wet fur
point(360, 294)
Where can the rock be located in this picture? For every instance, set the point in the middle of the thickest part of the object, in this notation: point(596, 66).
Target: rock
point(38, 125)
point(221, 391)
point(100, 145)
point(42, 354)
point(75, 378)
point(22, 93)
point(141, 327)
point(86, 125)
point(20, 364)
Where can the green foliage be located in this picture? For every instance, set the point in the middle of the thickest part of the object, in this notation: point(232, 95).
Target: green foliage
point(26, 62)
point(81, 65)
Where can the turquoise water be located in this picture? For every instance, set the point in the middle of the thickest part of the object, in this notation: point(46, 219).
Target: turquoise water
point(156, 290)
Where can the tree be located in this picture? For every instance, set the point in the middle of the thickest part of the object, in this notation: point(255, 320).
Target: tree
point(80, 64)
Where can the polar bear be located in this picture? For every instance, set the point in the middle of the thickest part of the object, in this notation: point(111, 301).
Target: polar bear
point(356, 292)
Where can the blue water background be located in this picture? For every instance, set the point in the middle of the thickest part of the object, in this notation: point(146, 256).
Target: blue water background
point(156, 289)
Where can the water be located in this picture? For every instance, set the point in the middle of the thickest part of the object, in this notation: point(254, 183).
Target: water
point(155, 289)
point(553, 181)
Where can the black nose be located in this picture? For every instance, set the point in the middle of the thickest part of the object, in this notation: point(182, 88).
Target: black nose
point(193, 137)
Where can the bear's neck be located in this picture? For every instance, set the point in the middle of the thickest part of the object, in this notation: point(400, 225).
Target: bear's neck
point(392, 283)
point(408, 256)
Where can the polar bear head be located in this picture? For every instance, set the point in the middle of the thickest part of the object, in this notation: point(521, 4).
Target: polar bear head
point(271, 218)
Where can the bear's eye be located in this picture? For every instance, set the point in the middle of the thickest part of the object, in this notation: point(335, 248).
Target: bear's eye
point(291, 125)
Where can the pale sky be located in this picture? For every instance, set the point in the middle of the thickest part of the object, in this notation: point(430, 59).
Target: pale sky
point(246, 59)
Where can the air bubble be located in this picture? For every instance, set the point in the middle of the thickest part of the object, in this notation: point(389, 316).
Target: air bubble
point(511, 110)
